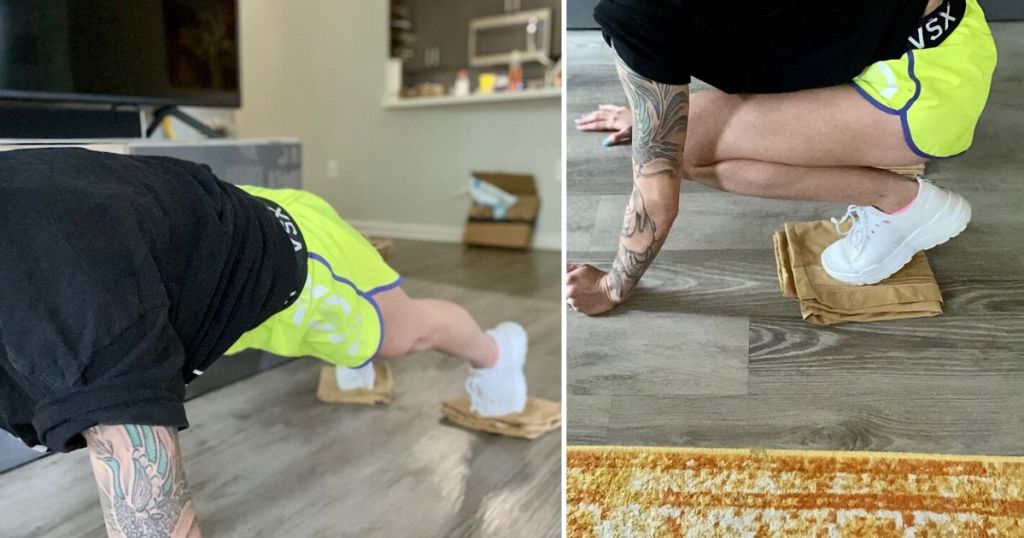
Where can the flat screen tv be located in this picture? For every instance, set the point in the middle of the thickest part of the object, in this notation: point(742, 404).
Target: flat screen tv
point(134, 52)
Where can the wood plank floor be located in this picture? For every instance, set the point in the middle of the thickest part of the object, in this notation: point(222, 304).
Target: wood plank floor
point(708, 353)
point(266, 459)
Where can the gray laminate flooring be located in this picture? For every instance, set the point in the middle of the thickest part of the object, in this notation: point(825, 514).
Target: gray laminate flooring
point(265, 458)
point(708, 353)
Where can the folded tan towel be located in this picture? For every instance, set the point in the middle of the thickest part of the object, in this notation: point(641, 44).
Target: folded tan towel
point(539, 417)
point(910, 293)
point(383, 387)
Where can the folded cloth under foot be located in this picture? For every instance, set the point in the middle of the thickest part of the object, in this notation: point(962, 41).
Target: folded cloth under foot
point(909, 293)
point(381, 393)
point(537, 418)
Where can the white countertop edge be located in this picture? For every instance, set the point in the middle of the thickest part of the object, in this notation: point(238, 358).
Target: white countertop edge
point(449, 100)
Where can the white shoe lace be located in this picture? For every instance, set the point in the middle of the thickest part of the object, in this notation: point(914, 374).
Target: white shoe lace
point(864, 225)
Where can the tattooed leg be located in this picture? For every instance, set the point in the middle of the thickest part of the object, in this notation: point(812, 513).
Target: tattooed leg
point(660, 117)
point(141, 480)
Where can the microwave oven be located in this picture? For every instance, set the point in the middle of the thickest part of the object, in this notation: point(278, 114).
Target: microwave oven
point(492, 40)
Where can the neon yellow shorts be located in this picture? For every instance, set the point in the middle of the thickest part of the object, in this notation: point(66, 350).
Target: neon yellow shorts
point(335, 318)
point(940, 92)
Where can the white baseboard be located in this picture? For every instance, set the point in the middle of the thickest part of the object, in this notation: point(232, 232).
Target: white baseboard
point(548, 241)
point(434, 232)
point(405, 230)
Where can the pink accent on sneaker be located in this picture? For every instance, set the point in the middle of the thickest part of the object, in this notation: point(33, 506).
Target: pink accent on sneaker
point(905, 209)
point(497, 352)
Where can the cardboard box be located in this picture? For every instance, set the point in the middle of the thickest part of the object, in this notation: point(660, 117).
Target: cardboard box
point(911, 170)
point(383, 245)
point(516, 230)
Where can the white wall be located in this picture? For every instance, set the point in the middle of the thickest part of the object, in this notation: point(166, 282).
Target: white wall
point(315, 69)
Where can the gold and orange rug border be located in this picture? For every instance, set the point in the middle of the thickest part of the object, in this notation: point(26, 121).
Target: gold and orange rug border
point(761, 452)
point(661, 503)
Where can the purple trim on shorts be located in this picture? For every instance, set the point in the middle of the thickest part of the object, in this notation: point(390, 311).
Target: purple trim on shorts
point(368, 297)
point(905, 121)
point(386, 287)
point(903, 112)
point(873, 101)
point(380, 316)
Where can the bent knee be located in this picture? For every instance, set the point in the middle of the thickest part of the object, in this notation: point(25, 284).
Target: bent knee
point(393, 347)
point(390, 348)
point(406, 334)
point(692, 169)
point(731, 175)
point(705, 173)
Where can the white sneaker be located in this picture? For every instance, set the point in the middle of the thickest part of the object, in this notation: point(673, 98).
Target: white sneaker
point(355, 378)
point(878, 244)
point(501, 390)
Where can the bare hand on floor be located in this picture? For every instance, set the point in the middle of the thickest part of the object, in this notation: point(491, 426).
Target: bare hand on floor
point(586, 289)
point(609, 118)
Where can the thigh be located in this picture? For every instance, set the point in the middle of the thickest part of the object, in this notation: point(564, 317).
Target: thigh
point(395, 308)
point(403, 322)
point(823, 127)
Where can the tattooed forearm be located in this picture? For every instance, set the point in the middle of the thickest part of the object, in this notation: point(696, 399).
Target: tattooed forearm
point(660, 119)
point(628, 267)
point(660, 116)
point(638, 246)
point(141, 480)
point(637, 222)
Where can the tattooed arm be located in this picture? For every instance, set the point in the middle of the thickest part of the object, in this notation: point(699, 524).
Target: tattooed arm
point(141, 480)
point(660, 115)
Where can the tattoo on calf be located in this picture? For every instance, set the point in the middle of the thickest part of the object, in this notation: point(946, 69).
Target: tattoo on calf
point(146, 491)
point(660, 120)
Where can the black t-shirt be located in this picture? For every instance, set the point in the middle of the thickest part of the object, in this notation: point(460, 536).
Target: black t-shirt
point(99, 252)
point(757, 47)
point(121, 279)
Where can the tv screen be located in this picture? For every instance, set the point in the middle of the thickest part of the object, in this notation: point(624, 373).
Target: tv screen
point(145, 52)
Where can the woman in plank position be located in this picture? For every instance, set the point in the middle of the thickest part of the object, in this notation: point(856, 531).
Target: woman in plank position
point(809, 99)
point(125, 277)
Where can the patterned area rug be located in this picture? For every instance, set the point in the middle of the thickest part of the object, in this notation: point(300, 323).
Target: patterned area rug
point(647, 491)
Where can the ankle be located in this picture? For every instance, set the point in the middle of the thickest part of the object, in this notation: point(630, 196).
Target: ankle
point(901, 198)
point(490, 358)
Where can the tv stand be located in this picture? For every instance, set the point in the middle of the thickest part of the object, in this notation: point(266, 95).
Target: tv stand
point(175, 112)
point(35, 120)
